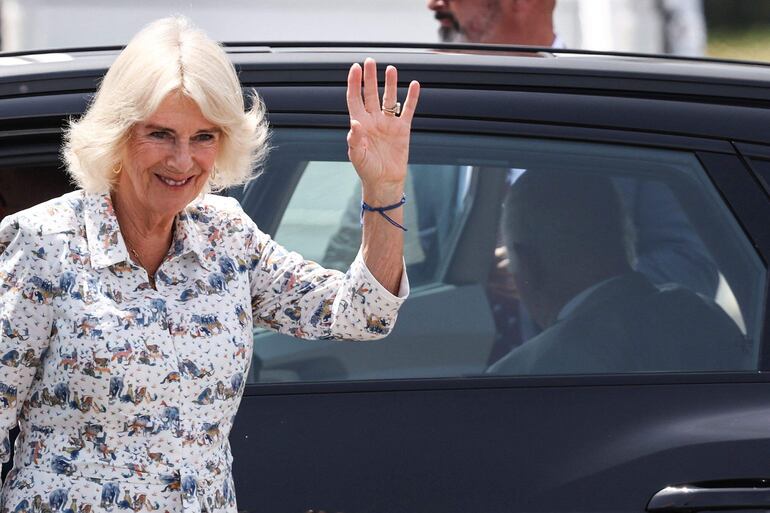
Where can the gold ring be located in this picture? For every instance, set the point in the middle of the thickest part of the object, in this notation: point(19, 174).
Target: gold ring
point(395, 110)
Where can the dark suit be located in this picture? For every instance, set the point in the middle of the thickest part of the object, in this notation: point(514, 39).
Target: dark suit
point(629, 325)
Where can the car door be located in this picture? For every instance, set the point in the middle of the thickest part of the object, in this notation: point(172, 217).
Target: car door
point(417, 422)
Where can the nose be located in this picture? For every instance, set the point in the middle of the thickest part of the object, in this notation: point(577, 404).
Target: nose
point(438, 5)
point(181, 158)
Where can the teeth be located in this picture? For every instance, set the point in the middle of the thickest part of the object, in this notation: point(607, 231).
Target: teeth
point(174, 182)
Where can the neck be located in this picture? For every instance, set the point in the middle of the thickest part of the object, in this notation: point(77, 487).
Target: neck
point(147, 235)
point(521, 34)
point(141, 224)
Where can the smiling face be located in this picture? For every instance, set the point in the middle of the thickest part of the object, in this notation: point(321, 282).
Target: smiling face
point(168, 159)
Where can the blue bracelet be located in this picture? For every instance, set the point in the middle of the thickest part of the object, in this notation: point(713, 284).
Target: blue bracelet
point(366, 207)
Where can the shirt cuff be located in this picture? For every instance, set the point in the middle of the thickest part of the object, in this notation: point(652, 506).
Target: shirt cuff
point(403, 287)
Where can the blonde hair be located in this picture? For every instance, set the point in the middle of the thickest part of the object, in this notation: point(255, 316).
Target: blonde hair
point(168, 55)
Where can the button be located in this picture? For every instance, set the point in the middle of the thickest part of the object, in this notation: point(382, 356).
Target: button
point(189, 487)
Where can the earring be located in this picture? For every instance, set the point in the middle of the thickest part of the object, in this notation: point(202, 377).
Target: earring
point(117, 170)
point(213, 175)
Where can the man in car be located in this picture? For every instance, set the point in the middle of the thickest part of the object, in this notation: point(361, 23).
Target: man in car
point(569, 252)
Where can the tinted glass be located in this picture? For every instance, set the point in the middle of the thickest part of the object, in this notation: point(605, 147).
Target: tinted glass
point(527, 257)
point(22, 186)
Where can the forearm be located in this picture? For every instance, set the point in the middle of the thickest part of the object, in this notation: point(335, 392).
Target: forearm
point(382, 245)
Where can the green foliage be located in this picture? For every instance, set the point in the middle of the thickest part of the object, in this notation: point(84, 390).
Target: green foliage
point(749, 45)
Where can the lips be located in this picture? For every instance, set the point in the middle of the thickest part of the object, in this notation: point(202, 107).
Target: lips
point(174, 183)
point(446, 19)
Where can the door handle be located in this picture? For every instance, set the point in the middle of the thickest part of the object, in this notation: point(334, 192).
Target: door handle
point(713, 495)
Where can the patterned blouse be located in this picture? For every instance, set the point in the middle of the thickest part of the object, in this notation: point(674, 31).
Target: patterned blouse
point(125, 394)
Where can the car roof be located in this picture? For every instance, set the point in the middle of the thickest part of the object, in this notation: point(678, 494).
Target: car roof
point(664, 95)
point(451, 64)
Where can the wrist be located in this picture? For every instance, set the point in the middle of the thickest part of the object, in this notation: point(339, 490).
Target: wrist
point(381, 194)
point(384, 210)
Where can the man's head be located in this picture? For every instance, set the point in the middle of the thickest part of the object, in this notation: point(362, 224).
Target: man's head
point(564, 232)
point(517, 22)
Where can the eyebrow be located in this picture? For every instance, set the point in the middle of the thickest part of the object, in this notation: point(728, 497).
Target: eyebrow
point(166, 129)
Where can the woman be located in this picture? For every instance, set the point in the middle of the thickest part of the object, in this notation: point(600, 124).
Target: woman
point(127, 307)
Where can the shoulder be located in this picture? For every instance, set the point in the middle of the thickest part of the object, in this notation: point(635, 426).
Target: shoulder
point(215, 203)
point(696, 312)
point(525, 359)
point(221, 224)
point(33, 241)
point(216, 211)
point(59, 215)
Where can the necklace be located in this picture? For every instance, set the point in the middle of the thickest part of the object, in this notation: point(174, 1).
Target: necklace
point(150, 276)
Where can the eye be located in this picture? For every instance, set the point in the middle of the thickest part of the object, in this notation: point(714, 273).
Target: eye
point(160, 134)
point(204, 137)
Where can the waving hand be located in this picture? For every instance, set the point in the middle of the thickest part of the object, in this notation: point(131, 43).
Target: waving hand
point(378, 141)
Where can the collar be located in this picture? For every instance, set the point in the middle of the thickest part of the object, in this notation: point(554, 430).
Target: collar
point(105, 243)
point(558, 43)
point(107, 247)
point(193, 231)
point(574, 303)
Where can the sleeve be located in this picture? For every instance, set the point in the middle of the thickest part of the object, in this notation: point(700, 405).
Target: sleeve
point(303, 299)
point(667, 246)
point(25, 321)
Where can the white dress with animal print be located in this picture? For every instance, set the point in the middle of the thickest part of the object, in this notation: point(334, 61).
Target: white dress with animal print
point(125, 394)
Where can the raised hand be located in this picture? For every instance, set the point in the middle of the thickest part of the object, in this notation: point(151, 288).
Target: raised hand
point(378, 141)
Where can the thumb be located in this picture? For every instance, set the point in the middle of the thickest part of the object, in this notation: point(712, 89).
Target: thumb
point(356, 142)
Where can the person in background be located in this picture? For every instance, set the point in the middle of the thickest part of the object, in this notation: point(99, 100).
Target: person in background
point(684, 27)
point(513, 22)
point(568, 246)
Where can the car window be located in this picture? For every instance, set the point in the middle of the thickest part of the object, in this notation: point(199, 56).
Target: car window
point(322, 220)
point(529, 257)
point(22, 186)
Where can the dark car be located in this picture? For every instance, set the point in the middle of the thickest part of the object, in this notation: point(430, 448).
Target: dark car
point(474, 403)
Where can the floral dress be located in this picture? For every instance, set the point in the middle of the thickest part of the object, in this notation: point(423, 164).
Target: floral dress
point(125, 394)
